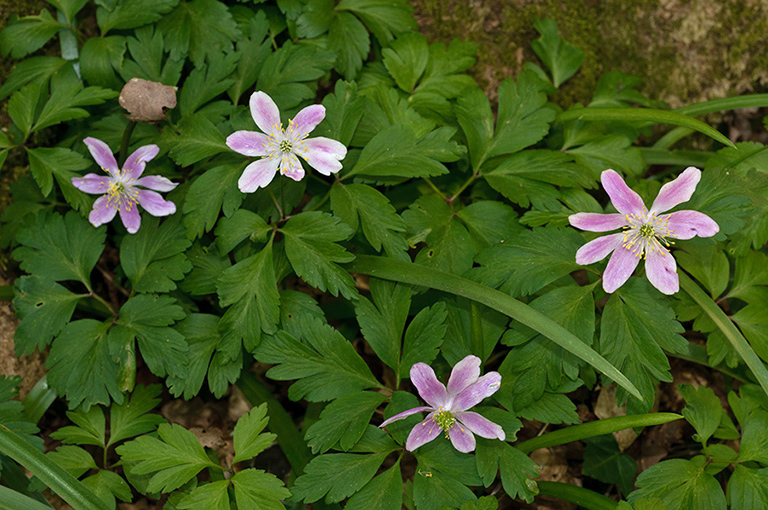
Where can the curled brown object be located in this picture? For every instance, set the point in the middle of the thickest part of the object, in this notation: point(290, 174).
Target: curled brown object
point(147, 101)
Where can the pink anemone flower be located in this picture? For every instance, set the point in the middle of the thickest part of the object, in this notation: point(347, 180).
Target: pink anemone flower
point(122, 189)
point(645, 232)
point(448, 406)
point(279, 148)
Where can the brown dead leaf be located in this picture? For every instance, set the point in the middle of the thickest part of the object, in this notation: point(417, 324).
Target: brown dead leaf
point(147, 101)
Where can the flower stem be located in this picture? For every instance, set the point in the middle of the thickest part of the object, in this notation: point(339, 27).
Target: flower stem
point(277, 204)
point(125, 142)
point(463, 187)
point(435, 189)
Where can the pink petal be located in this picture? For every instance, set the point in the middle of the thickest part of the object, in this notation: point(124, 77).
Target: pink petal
point(102, 154)
point(476, 392)
point(661, 270)
point(155, 204)
point(677, 191)
point(404, 414)
point(129, 214)
point(248, 143)
point(103, 211)
point(134, 165)
point(265, 113)
point(481, 425)
point(623, 199)
point(620, 267)
point(290, 166)
point(688, 224)
point(306, 120)
point(422, 433)
point(462, 438)
point(595, 222)
point(598, 249)
point(155, 182)
point(464, 373)
point(258, 174)
point(92, 183)
point(323, 163)
point(325, 145)
point(431, 390)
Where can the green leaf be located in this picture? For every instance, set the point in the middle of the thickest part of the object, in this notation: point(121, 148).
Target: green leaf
point(205, 82)
point(212, 495)
point(207, 265)
point(680, 484)
point(424, 336)
point(147, 318)
point(483, 503)
point(750, 274)
point(47, 164)
point(310, 244)
point(31, 70)
point(196, 138)
point(326, 364)
point(248, 438)
point(210, 193)
point(146, 49)
point(12, 412)
point(133, 417)
point(256, 489)
point(289, 74)
point(443, 475)
point(175, 458)
point(336, 476)
point(209, 21)
point(22, 107)
point(349, 40)
point(754, 440)
point(90, 429)
point(107, 486)
point(522, 118)
point(489, 222)
point(343, 421)
point(243, 224)
point(385, 18)
point(472, 328)
point(99, 58)
point(60, 248)
point(251, 52)
point(444, 78)
point(708, 264)
point(383, 492)
point(603, 461)
point(526, 262)
point(44, 308)
point(315, 18)
point(609, 151)
point(636, 327)
point(746, 487)
point(383, 321)
point(153, 258)
point(80, 366)
point(517, 470)
point(702, 410)
point(343, 111)
point(28, 34)
point(359, 205)
point(561, 58)
point(406, 59)
point(70, 8)
point(133, 14)
point(550, 408)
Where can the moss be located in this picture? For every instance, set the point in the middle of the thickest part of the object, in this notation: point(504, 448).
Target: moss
point(684, 50)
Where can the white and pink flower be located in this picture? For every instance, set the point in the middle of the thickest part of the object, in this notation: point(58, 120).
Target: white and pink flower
point(646, 232)
point(448, 406)
point(122, 188)
point(279, 148)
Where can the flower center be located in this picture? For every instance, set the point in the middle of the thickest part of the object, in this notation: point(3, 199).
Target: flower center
point(119, 194)
point(646, 232)
point(286, 146)
point(445, 419)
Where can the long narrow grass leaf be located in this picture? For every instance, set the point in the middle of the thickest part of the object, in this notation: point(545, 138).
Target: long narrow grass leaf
point(725, 103)
point(586, 498)
point(12, 500)
point(416, 274)
point(38, 400)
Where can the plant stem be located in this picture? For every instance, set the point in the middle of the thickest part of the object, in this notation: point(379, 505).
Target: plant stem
point(435, 188)
point(126, 141)
point(277, 204)
point(463, 187)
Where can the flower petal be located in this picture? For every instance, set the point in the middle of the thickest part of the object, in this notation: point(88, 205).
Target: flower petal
point(463, 440)
point(155, 204)
point(595, 222)
point(325, 145)
point(620, 267)
point(422, 433)
point(290, 166)
point(92, 183)
point(155, 182)
point(305, 121)
point(102, 154)
point(476, 392)
point(430, 389)
point(661, 270)
point(265, 113)
point(598, 249)
point(677, 191)
point(623, 199)
point(481, 425)
point(323, 163)
point(129, 214)
point(258, 174)
point(103, 211)
point(688, 224)
point(405, 414)
point(134, 165)
point(464, 373)
point(248, 143)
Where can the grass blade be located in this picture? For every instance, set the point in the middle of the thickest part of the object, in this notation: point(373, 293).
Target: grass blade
point(586, 498)
point(12, 500)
